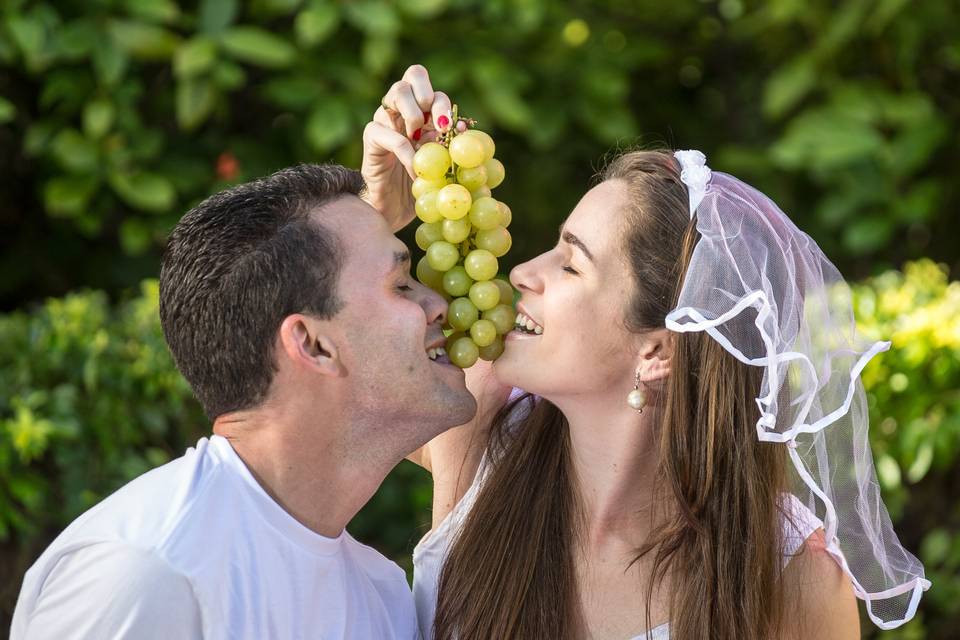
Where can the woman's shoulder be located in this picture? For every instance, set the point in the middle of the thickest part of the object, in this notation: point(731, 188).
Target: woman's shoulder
point(813, 579)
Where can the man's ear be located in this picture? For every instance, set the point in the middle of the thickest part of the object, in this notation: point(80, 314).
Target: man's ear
point(305, 343)
point(655, 356)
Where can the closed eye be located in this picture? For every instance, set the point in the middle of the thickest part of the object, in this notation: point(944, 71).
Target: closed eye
point(569, 269)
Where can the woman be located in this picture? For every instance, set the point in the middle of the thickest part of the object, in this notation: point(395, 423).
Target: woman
point(695, 403)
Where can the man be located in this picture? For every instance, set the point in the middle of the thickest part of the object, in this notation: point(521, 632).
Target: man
point(289, 308)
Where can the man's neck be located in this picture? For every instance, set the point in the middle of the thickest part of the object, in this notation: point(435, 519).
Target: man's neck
point(309, 468)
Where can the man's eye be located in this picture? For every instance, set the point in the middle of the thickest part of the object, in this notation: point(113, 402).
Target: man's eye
point(404, 287)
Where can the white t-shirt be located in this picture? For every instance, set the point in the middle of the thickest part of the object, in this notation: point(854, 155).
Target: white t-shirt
point(431, 552)
point(197, 549)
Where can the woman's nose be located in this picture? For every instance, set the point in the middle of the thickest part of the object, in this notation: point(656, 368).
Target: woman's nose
point(525, 277)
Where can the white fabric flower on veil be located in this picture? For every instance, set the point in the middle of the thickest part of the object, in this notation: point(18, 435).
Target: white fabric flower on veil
point(695, 174)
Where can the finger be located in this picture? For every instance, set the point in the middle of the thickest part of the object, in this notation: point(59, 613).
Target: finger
point(400, 98)
point(389, 119)
point(419, 80)
point(441, 107)
point(381, 139)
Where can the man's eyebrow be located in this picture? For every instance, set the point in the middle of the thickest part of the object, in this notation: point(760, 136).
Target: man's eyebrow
point(401, 259)
point(569, 238)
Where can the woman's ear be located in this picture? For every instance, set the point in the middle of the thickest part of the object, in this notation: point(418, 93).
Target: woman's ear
point(655, 356)
point(305, 343)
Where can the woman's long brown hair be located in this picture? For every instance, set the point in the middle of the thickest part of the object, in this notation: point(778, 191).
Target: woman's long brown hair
point(510, 571)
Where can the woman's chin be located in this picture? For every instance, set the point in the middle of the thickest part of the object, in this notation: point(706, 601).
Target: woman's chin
point(515, 370)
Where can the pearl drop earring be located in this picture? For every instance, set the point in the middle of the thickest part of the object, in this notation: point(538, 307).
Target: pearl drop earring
point(637, 399)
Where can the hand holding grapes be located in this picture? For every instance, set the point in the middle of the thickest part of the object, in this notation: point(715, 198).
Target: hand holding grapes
point(409, 116)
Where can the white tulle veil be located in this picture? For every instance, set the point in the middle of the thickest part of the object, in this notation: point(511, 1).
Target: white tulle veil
point(765, 291)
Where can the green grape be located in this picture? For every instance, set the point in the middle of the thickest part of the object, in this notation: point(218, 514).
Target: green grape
point(492, 351)
point(495, 172)
point(461, 314)
point(421, 186)
point(426, 207)
point(442, 256)
point(483, 333)
point(506, 290)
point(497, 241)
point(489, 148)
point(431, 161)
point(482, 192)
point(502, 316)
point(506, 215)
point(428, 275)
point(473, 178)
point(427, 234)
point(463, 352)
point(453, 201)
point(456, 231)
point(456, 282)
point(485, 214)
point(466, 151)
point(481, 264)
point(484, 295)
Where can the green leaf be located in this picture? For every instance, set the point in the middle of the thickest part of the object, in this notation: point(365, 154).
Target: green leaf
point(7, 110)
point(146, 191)
point(217, 15)
point(135, 237)
point(296, 92)
point(194, 57)
point(788, 86)
point(935, 548)
point(68, 196)
point(826, 139)
point(328, 125)
point(109, 61)
point(164, 11)
point(921, 464)
point(78, 39)
point(866, 235)
point(196, 98)
point(97, 118)
point(229, 75)
point(374, 17)
point(28, 33)
point(315, 24)
point(377, 54)
point(422, 8)
point(74, 152)
point(256, 46)
point(144, 41)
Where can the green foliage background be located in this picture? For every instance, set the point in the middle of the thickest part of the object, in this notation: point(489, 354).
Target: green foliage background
point(118, 115)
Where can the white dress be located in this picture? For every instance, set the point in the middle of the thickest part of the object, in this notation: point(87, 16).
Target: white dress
point(431, 552)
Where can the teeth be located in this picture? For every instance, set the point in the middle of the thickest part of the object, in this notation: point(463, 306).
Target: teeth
point(524, 322)
point(433, 354)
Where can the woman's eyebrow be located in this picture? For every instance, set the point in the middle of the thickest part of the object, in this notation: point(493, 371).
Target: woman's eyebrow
point(569, 238)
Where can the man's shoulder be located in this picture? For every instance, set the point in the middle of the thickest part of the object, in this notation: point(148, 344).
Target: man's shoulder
point(376, 565)
point(149, 510)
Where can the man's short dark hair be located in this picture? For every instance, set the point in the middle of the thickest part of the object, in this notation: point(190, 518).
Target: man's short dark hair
point(239, 263)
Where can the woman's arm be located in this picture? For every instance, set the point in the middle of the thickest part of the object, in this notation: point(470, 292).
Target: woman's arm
point(826, 606)
point(454, 456)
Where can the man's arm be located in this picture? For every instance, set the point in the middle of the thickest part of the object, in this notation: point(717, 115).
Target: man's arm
point(111, 590)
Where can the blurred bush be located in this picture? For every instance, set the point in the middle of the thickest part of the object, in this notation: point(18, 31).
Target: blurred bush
point(91, 399)
point(117, 115)
point(914, 396)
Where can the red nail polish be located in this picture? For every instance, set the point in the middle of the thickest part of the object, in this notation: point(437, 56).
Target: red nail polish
point(417, 134)
point(443, 122)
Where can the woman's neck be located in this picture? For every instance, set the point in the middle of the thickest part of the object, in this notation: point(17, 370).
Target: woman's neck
point(614, 456)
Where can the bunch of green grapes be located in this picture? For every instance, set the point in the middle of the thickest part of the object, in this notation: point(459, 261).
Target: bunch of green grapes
point(464, 232)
